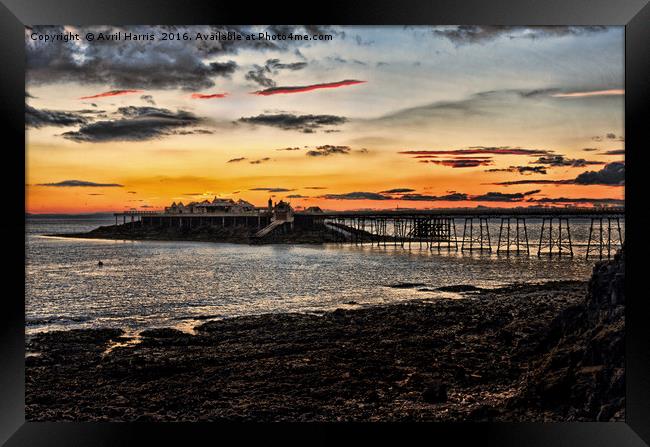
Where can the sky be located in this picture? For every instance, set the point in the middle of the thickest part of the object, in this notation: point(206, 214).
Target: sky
point(370, 117)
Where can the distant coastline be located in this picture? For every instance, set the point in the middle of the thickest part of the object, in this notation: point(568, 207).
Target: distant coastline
point(100, 215)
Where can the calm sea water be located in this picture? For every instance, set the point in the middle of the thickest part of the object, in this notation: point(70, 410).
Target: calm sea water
point(160, 284)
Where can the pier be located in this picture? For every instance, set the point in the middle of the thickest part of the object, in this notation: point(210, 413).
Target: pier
point(465, 230)
point(469, 229)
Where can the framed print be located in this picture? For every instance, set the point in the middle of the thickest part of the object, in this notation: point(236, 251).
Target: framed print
point(421, 218)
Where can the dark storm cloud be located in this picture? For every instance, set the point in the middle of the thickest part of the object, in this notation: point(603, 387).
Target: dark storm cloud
point(271, 189)
point(289, 149)
point(188, 65)
point(328, 149)
point(287, 121)
point(560, 160)
point(297, 196)
point(260, 161)
point(41, 118)
point(136, 124)
point(82, 183)
point(613, 174)
point(470, 34)
point(523, 170)
point(236, 160)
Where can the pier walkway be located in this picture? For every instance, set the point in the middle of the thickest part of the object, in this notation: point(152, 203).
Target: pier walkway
point(464, 229)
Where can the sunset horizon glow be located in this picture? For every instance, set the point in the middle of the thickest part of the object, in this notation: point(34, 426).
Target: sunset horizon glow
point(489, 120)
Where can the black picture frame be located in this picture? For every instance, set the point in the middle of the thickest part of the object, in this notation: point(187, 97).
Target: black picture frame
point(15, 14)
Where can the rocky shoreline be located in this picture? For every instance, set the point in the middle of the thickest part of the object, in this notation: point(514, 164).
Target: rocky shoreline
point(234, 235)
point(548, 352)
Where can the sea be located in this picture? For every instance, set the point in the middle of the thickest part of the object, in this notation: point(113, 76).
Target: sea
point(150, 284)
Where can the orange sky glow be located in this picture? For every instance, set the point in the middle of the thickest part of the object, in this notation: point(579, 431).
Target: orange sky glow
point(355, 123)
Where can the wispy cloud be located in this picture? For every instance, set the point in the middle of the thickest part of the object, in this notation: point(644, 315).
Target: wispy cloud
point(274, 189)
point(357, 195)
point(523, 170)
point(460, 162)
point(328, 149)
point(136, 124)
point(260, 74)
point(208, 95)
point(41, 118)
point(610, 92)
point(452, 197)
point(80, 183)
point(614, 152)
point(478, 150)
point(590, 200)
point(397, 191)
point(613, 174)
point(473, 34)
point(111, 93)
point(306, 88)
point(288, 121)
point(561, 160)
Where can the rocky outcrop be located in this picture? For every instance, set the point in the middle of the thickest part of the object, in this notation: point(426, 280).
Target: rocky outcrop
point(581, 375)
point(205, 233)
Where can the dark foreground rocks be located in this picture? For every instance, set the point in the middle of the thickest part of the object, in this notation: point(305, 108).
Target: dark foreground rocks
point(520, 353)
point(581, 368)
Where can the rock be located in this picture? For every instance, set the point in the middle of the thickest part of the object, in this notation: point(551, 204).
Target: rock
point(580, 373)
point(435, 393)
point(459, 288)
point(163, 333)
point(406, 285)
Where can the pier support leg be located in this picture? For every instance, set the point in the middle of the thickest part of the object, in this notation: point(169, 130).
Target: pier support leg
point(603, 242)
point(555, 244)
